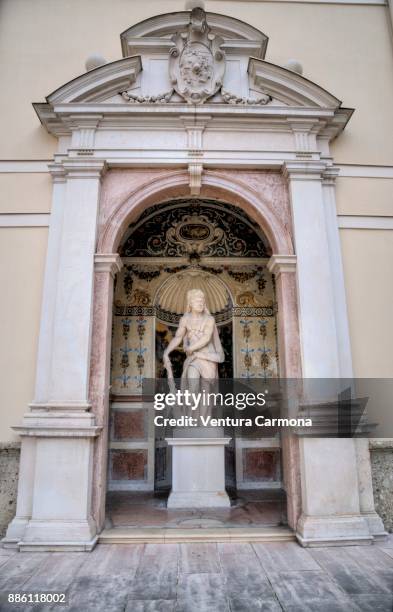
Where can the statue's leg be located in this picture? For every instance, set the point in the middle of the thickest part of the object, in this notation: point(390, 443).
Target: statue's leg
point(193, 379)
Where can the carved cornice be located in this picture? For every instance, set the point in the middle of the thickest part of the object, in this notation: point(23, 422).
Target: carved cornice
point(330, 174)
point(281, 263)
point(84, 168)
point(108, 263)
point(57, 172)
point(303, 170)
point(60, 406)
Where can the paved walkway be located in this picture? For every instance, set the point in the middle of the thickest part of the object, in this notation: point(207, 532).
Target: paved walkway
point(206, 577)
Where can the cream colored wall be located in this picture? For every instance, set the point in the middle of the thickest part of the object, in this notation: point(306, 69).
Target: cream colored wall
point(22, 253)
point(43, 44)
point(364, 196)
point(345, 48)
point(25, 193)
point(367, 258)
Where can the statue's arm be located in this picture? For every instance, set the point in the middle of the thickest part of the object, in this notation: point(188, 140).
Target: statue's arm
point(204, 339)
point(176, 340)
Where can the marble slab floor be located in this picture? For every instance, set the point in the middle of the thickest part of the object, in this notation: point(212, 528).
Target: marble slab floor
point(273, 577)
point(249, 508)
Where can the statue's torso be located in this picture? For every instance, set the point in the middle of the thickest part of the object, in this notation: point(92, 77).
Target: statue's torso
point(195, 329)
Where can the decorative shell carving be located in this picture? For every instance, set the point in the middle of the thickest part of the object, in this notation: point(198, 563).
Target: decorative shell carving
point(172, 294)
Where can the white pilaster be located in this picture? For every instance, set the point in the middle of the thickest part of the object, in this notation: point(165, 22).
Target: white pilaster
point(74, 291)
point(54, 496)
point(338, 284)
point(331, 513)
point(318, 333)
point(44, 355)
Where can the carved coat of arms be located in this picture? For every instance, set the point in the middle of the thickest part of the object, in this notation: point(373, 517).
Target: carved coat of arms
point(197, 63)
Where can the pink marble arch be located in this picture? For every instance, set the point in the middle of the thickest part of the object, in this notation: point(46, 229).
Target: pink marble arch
point(262, 194)
point(124, 195)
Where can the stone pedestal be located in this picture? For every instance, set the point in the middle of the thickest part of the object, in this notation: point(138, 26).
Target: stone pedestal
point(198, 472)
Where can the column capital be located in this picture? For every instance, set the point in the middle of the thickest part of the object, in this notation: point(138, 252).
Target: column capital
point(281, 263)
point(81, 121)
point(84, 168)
point(57, 172)
point(330, 174)
point(303, 170)
point(109, 263)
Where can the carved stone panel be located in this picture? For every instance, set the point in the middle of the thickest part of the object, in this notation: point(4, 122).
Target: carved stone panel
point(196, 62)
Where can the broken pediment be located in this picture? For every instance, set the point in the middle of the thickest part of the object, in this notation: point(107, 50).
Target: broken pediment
point(191, 58)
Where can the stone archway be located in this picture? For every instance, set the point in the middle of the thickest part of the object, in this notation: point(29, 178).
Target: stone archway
point(97, 117)
point(143, 189)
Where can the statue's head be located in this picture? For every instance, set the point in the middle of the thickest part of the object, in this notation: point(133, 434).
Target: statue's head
point(196, 301)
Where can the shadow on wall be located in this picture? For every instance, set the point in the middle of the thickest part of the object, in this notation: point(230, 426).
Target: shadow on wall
point(9, 469)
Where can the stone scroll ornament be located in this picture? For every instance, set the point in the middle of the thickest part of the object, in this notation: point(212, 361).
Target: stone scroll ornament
point(196, 62)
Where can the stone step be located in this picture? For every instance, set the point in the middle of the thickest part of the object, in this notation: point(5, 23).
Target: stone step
point(141, 535)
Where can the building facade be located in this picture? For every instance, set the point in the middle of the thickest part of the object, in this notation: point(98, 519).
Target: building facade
point(242, 150)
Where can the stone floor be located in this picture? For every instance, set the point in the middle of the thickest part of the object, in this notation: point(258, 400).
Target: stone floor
point(250, 508)
point(206, 578)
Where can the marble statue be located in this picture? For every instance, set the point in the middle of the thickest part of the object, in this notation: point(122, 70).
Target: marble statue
point(198, 332)
point(198, 456)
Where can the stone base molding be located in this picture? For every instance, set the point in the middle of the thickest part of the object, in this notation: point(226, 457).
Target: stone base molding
point(54, 492)
point(332, 531)
point(334, 511)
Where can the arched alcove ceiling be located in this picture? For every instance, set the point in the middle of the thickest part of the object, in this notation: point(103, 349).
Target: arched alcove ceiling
point(194, 228)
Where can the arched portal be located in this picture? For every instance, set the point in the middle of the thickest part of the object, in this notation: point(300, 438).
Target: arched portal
point(171, 247)
point(262, 198)
point(128, 141)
